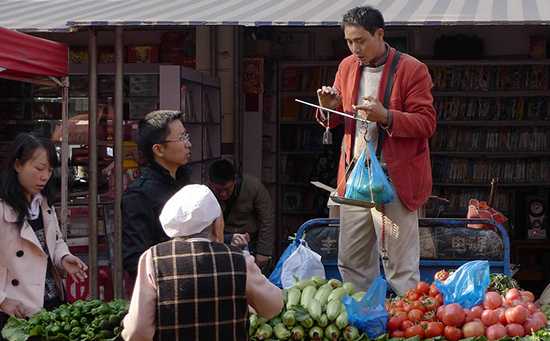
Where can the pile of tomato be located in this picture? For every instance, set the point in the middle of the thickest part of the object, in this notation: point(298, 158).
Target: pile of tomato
point(422, 312)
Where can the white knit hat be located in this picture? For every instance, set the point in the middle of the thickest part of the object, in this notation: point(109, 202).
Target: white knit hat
point(192, 209)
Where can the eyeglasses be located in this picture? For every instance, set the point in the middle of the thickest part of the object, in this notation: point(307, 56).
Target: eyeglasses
point(183, 138)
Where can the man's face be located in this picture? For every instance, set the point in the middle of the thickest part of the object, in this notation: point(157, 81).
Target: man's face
point(223, 190)
point(176, 147)
point(362, 44)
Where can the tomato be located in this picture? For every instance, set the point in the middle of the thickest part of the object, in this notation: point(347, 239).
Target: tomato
point(398, 304)
point(452, 333)
point(441, 275)
point(502, 315)
point(412, 296)
point(406, 307)
point(533, 308)
point(418, 305)
point(527, 296)
point(495, 332)
point(513, 294)
point(476, 312)
point(415, 330)
point(406, 324)
point(415, 315)
point(398, 334)
point(489, 317)
point(453, 315)
point(532, 325)
point(433, 291)
point(492, 300)
point(394, 322)
point(541, 316)
point(439, 299)
point(439, 313)
point(473, 328)
point(400, 313)
point(430, 303)
point(517, 314)
point(514, 329)
point(434, 329)
point(422, 288)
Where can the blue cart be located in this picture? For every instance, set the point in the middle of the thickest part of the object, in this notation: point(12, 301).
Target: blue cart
point(322, 237)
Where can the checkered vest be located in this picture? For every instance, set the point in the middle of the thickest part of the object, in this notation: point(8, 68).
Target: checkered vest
point(200, 291)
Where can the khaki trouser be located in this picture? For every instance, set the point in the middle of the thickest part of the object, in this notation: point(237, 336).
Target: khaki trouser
point(360, 242)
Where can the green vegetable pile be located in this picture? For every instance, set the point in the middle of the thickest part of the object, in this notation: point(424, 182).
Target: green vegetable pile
point(313, 311)
point(91, 320)
point(501, 283)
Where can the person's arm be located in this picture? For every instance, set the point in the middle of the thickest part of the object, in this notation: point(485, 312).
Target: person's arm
point(418, 120)
point(333, 120)
point(264, 215)
point(139, 323)
point(137, 219)
point(61, 248)
point(3, 281)
point(262, 295)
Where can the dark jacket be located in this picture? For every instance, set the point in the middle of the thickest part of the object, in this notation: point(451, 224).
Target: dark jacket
point(249, 210)
point(142, 203)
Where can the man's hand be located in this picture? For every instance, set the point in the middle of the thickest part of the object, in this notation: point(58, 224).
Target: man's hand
point(75, 267)
point(240, 240)
point(330, 98)
point(372, 110)
point(262, 260)
point(13, 308)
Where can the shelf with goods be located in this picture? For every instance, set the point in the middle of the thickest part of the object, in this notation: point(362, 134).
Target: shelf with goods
point(302, 156)
point(493, 119)
point(198, 96)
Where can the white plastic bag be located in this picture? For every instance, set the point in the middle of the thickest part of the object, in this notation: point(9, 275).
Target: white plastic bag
point(303, 263)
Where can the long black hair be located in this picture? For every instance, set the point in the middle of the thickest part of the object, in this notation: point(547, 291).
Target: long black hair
point(22, 149)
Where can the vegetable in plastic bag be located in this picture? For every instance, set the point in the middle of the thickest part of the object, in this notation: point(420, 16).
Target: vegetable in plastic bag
point(301, 264)
point(367, 181)
point(369, 315)
point(467, 285)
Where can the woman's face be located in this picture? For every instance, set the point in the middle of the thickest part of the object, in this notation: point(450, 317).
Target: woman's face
point(34, 174)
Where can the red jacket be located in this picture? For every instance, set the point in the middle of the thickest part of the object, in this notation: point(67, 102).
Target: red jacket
point(406, 151)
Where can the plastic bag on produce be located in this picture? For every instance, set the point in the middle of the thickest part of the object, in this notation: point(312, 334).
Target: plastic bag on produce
point(367, 181)
point(369, 315)
point(467, 285)
point(303, 263)
point(275, 276)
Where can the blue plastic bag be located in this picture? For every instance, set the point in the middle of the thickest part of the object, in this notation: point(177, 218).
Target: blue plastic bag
point(275, 276)
point(367, 181)
point(467, 285)
point(369, 315)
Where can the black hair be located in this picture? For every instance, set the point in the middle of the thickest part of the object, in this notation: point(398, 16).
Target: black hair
point(153, 129)
point(368, 17)
point(221, 172)
point(22, 149)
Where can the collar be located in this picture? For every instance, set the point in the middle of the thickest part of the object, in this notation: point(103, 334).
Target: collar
point(199, 239)
point(380, 60)
point(34, 207)
point(154, 170)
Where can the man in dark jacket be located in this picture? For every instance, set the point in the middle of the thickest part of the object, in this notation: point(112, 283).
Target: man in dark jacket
point(247, 210)
point(164, 143)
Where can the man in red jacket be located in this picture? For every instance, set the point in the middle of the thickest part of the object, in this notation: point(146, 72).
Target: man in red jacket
point(399, 131)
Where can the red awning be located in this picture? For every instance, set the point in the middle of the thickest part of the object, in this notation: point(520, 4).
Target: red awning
point(28, 58)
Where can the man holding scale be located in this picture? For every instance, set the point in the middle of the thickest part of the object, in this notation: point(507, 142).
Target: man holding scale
point(388, 94)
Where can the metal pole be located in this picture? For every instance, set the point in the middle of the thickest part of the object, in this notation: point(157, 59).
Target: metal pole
point(119, 74)
point(92, 162)
point(65, 156)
